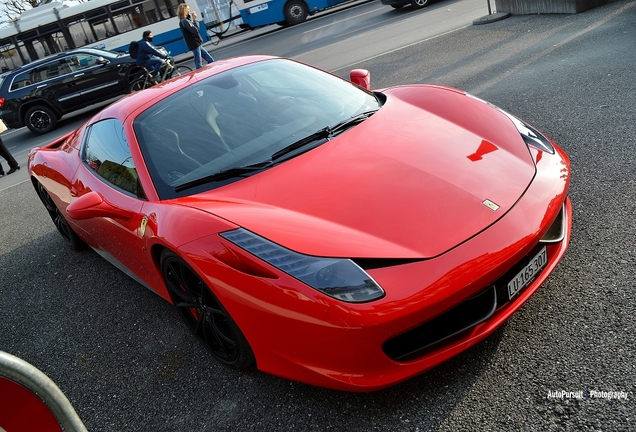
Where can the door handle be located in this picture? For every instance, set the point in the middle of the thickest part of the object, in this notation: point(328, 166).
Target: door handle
point(78, 75)
point(41, 86)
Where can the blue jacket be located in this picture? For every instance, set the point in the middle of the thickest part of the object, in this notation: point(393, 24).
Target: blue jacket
point(145, 51)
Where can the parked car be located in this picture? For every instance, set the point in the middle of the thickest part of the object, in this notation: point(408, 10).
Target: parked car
point(327, 233)
point(397, 4)
point(38, 94)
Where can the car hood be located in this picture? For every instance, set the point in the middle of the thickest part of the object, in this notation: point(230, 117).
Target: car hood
point(431, 169)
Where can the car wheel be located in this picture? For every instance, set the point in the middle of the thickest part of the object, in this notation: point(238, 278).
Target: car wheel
point(204, 314)
point(40, 119)
point(295, 12)
point(418, 4)
point(62, 226)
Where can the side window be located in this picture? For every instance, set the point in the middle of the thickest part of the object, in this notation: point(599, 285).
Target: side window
point(107, 153)
point(21, 80)
point(79, 62)
point(58, 68)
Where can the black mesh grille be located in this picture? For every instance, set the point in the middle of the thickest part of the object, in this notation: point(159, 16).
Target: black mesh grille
point(416, 342)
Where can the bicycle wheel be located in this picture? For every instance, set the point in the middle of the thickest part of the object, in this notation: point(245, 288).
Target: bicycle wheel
point(180, 70)
point(137, 85)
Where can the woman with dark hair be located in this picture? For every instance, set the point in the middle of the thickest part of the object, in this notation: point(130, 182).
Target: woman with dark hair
point(13, 165)
point(190, 30)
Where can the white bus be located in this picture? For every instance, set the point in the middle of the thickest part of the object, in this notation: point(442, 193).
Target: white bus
point(104, 24)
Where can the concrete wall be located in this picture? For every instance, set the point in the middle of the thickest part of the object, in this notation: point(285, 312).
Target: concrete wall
point(525, 7)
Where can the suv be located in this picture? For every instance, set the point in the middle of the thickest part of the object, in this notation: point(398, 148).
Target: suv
point(38, 94)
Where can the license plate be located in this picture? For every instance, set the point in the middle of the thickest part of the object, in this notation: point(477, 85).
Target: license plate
point(528, 273)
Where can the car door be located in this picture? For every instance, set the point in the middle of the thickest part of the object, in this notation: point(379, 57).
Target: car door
point(52, 81)
point(94, 77)
point(108, 169)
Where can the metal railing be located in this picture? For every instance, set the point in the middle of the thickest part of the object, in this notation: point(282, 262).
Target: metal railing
point(34, 380)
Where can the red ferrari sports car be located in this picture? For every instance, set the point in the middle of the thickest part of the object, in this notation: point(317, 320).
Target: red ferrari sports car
point(324, 232)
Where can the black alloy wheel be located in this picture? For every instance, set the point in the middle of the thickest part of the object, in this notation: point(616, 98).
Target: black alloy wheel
point(295, 12)
point(40, 119)
point(204, 314)
point(62, 226)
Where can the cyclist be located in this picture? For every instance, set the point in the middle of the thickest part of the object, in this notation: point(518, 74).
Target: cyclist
point(149, 56)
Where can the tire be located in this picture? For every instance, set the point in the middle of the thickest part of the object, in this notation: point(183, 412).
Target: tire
point(295, 12)
point(419, 4)
point(204, 314)
point(61, 224)
point(40, 119)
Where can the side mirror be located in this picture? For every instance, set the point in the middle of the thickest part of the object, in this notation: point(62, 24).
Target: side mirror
point(102, 61)
point(94, 205)
point(361, 77)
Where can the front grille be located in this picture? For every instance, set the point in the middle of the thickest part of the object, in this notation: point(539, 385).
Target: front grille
point(416, 342)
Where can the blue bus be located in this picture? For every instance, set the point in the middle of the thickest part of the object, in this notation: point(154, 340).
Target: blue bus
point(257, 13)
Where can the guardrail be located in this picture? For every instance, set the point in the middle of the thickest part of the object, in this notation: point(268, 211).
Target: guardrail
point(31, 378)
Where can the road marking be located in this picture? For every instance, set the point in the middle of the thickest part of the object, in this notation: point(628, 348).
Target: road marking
point(343, 20)
point(400, 48)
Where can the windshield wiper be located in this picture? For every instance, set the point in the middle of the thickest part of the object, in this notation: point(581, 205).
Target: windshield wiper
point(321, 134)
point(351, 121)
point(238, 171)
point(324, 134)
point(317, 138)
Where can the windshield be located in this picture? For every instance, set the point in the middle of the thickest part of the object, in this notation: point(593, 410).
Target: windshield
point(239, 118)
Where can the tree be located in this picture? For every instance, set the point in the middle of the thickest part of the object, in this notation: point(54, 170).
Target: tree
point(11, 9)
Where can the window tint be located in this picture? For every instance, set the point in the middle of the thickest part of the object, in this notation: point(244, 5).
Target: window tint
point(240, 117)
point(81, 61)
point(41, 73)
point(107, 153)
point(22, 80)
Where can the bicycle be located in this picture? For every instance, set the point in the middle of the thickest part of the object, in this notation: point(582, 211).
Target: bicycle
point(168, 70)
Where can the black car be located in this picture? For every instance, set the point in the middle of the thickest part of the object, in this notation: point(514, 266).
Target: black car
point(397, 4)
point(38, 94)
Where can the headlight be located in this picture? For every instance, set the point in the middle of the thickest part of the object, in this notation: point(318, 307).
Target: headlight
point(530, 135)
point(339, 278)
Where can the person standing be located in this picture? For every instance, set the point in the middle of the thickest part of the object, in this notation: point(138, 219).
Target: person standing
point(13, 165)
point(148, 55)
point(190, 30)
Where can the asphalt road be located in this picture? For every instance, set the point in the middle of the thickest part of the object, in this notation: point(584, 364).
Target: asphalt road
point(126, 362)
